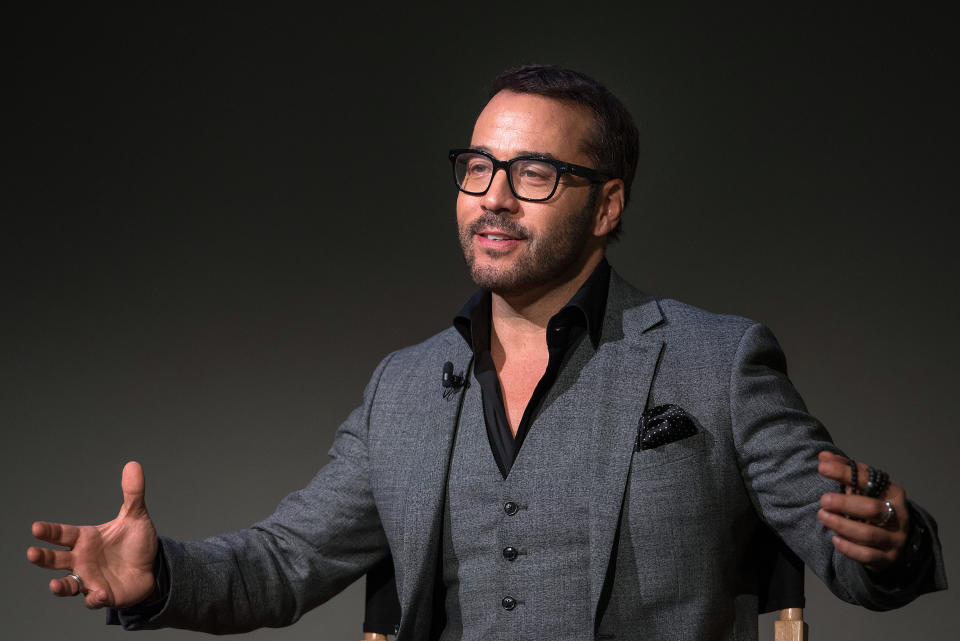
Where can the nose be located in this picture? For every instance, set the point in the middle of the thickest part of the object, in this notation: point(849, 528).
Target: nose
point(499, 198)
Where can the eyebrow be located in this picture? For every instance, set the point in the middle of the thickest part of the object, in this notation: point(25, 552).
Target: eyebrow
point(524, 152)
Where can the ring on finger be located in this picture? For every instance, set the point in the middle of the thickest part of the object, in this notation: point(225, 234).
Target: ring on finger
point(888, 514)
point(76, 577)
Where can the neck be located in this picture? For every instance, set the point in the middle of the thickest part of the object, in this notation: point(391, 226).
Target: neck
point(520, 320)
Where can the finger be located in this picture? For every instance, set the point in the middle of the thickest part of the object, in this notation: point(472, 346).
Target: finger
point(859, 507)
point(65, 586)
point(837, 468)
point(96, 599)
point(863, 534)
point(874, 559)
point(56, 533)
point(133, 484)
point(827, 455)
point(833, 466)
point(50, 559)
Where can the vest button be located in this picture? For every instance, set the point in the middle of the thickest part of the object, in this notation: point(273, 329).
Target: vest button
point(510, 508)
point(509, 553)
point(508, 603)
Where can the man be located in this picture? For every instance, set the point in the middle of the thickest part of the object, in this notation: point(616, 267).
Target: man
point(573, 459)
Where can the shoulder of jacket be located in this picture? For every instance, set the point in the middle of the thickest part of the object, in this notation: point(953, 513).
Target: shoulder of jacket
point(668, 314)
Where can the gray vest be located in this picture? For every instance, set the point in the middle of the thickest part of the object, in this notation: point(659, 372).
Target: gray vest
point(516, 550)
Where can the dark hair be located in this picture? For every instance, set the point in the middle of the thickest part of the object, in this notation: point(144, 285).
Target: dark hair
point(614, 146)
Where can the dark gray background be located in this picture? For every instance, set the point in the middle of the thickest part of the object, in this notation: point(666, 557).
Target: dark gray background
point(217, 220)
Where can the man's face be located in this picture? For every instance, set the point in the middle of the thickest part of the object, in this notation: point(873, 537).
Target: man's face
point(513, 246)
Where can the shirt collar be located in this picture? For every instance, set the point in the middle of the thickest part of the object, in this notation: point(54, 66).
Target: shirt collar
point(587, 307)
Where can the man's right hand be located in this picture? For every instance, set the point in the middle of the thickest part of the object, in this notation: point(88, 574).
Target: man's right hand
point(114, 560)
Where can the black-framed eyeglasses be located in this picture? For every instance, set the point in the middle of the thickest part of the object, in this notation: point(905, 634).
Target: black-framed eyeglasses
point(531, 178)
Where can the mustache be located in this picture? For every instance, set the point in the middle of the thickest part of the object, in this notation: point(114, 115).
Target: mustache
point(489, 219)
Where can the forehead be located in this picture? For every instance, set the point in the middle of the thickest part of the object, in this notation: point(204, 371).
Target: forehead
point(514, 124)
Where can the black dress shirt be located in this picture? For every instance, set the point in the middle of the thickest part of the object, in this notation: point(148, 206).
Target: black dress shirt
point(582, 315)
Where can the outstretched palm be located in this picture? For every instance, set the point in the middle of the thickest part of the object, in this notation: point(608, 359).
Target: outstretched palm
point(114, 559)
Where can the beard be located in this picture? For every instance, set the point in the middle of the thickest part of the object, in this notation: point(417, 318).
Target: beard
point(547, 256)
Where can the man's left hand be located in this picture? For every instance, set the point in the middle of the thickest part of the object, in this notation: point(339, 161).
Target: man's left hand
point(865, 531)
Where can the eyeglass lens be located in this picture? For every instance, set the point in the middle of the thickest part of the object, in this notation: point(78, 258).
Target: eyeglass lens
point(530, 178)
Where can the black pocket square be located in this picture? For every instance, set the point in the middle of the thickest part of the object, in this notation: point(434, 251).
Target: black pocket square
point(664, 424)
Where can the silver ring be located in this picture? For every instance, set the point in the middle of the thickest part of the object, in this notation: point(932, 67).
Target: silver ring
point(76, 577)
point(889, 514)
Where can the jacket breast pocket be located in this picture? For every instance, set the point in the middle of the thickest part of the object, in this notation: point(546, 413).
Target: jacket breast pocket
point(671, 488)
point(672, 452)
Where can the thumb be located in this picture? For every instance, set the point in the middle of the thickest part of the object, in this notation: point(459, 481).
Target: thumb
point(133, 485)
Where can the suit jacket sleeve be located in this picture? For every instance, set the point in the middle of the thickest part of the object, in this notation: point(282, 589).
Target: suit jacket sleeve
point(318, 541)
point(777, 443)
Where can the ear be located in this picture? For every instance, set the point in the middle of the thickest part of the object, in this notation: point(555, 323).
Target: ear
point(610, 203)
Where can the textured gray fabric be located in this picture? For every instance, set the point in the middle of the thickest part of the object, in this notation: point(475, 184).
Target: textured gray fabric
point(549, 483)
point(668, 528)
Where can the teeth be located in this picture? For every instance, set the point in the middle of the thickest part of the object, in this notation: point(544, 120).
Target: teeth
point(495, 237)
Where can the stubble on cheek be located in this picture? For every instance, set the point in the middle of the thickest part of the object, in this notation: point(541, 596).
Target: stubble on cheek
point(536, 262)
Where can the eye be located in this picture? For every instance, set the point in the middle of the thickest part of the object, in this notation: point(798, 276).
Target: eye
point(534, 171)
point(476, 165)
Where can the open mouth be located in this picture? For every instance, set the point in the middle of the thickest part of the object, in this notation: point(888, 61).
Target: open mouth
point(498, 236)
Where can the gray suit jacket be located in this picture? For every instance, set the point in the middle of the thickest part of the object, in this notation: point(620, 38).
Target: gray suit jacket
point(669, 528)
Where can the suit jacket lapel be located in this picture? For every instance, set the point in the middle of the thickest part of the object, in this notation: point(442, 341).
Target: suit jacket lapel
point(424, 493)
point(629, 359)
point(627, 364)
